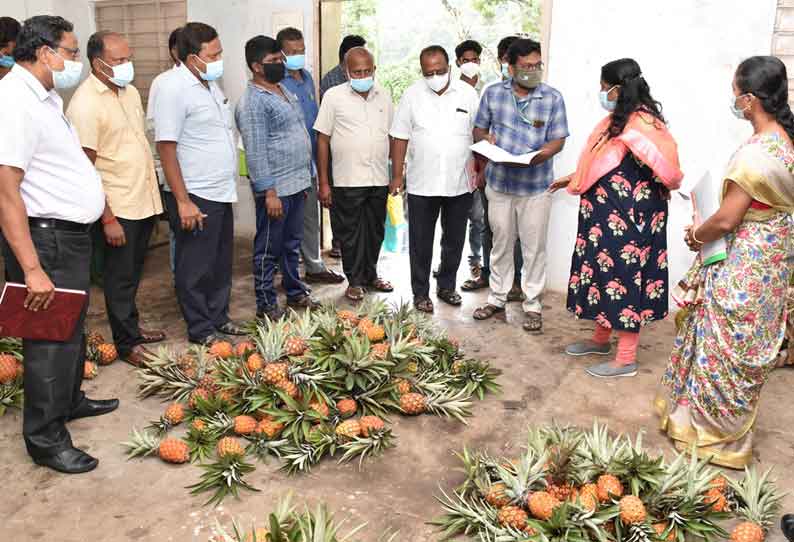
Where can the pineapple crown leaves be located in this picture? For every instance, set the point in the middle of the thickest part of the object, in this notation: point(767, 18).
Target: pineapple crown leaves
point(564, 525)
point(475, 468)
point(141, 444)
point(261, 447)
point(451, 404)
point(303, 325)
point(478, 378)
point(364, 447)
point(634, 465)
point(11, 395)
point(298, 416)
point(466, 516)
point(757, 497)
point(600, 449)
point(224, 477)
point(375, 309)
point(162, 376)
point(528, 476)
point(269, 339)
point(200, 444)
point(355, 368)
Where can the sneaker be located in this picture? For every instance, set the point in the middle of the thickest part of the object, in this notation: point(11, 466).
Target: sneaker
point(610, 370)
point(588, 347)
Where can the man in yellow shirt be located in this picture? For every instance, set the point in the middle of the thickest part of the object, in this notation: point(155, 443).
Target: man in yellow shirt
point(108, 115)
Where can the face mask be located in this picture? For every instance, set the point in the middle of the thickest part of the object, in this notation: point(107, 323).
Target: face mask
point(437, 82)
point(470, 69)
point(6, 61)
point(123, 74)
point(506, 71)
point(294, 62)
point(603, 97)
point(214, 69)
point(528, 79)
point(362, 85)
point(273, 73)
point(69, 76)
point(738, 113)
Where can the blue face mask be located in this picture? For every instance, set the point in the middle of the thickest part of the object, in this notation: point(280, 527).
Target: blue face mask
point(214, 70)
point(362, 85)
point(6, 61)
point(506, 71)
point(295, 62)
point(605, 101)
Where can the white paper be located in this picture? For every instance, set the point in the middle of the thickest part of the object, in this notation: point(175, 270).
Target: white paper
point(706, 201)
point(499, 155)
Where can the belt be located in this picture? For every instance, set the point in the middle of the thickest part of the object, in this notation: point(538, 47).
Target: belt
point(55, 224)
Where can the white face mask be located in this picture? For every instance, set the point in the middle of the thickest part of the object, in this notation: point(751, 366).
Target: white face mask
point(69, 76)
point(214, 70)
point(738, 113)
point(123, 74)
point(437, 82)
point(470, 69)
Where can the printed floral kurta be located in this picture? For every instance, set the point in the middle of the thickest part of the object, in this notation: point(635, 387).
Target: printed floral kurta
point(619, 264)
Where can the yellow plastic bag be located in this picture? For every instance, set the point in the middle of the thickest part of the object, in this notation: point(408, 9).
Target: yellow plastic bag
point(394, 208)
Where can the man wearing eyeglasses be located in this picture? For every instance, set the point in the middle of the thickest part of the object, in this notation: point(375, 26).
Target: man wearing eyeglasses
point(50, 195)
point(520, 115)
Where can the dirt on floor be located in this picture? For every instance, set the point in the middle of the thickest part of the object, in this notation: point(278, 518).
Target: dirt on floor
point(146, 500)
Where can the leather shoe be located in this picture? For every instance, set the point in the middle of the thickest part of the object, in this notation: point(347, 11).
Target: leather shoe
point(93, 407)
point(69, 461)
point(325, 277)
point(138, 356)
point(787, 526)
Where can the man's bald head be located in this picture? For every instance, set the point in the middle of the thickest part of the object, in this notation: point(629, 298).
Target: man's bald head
point(105, 50)
point(360, 63)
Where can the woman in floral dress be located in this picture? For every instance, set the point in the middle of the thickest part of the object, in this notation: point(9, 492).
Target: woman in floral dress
point(734, 325)
point(619, 265)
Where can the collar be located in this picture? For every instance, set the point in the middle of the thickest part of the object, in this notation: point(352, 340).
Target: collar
point(269, 92)
point(184, 72)
point(99, 86)
point(30, 80)
point(374, 91)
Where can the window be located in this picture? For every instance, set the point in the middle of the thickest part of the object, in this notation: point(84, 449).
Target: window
point(146, 24)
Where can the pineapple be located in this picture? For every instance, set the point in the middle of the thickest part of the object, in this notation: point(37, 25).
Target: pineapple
point(346, 407)
point(174, 414)
point(588, 500)
point(660, 529)
point(402, 386)
point(716, 499)
point(513, 516)
point(94, 338)
point(380, 351)
point(229, 447)
point(242, 349)
point(106, 353)
point(371, 424)
point(374, 332)
point(174, 450)
point(348, 430)
point(222, 349)
point(452, 404)
point(349, 318)
point(8, 368)
point(542, 504)
point(321, 408)
point(413, 404)
point(90, 370)
point(197, 393)
point(296, 346)
point(289, 387)
point(632, 510)
point(609, 487)
point(497, 496)
point(254, 363)
point(198, 424)
point(758, 504)
point(720, 483)
point(257, 535)
point(269, 428)
point(412, 367)
point(208, 384)
point(244, 425)
point(273, 373)
point(457, 366)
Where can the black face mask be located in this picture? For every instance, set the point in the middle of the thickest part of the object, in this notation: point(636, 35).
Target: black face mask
point(273, 73)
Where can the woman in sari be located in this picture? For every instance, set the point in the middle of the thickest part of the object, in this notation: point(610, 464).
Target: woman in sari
point(619, 265)
point(734, 325)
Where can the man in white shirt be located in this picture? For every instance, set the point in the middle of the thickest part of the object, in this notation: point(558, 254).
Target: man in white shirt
point(353, 126)
point(193, 129)
point(50, 195)
point(436, 115)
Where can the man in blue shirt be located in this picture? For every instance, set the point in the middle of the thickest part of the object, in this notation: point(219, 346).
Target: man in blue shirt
point(520, 115)
point(278, 156)
point(299, 81)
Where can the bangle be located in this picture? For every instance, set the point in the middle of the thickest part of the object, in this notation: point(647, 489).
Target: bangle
point(695, 239)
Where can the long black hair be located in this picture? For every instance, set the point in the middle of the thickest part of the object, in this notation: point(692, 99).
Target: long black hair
point(765, 78)
point(634, 93)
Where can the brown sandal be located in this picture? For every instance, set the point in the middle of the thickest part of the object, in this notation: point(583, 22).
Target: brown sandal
point(151, 336)
point(474, 284)
point(381, 285)
point(424, 304)
point(487, 311)
point(533, 322)
point(355, 293)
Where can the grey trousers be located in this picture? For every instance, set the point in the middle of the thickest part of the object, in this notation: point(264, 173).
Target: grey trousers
point(310, 247)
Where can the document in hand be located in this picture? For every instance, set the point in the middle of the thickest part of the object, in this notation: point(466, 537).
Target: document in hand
point(706, 201)
point(57, 323)
point(499, 155)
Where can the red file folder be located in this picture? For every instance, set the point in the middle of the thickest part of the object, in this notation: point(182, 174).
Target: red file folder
point(57, 323)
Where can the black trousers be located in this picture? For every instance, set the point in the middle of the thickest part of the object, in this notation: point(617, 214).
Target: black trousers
point(423, 212)
point(123, 267)
point(360, 219)
point(54, 370)
point(203, 266)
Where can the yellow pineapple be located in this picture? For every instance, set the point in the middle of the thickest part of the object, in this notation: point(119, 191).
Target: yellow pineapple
point(94, 338)
point(90, 370)
point(173, 450)
point(296, 346)
point(321, 408)
point(273, 373)
point(717, 500)
point(380, 350)
point(757, 504)
point(348, 317)
point(403, 386)
point(374, 332)
point(370, 424)
point(289, 387)
point(720, 483)
point(346, 407)
point(244, 425)
point(457, 366)
point(348, 430)
point(174, 414)
point(254, 363)
point(497, 496)
point(513, 516)
point(230, 447)
point(413, 404)
point(222, 349)
point(198, 393)
point(412, 367)
point(8, 368)
point(244, 348)
point(609, 487)
point(198, 424)
point(632, 510)
point(269, 428)
point(542, 504)
point(660, 528)
point(106, 353)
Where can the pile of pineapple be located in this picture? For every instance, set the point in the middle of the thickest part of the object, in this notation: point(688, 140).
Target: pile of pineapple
point(577, 486)
point(319, 384)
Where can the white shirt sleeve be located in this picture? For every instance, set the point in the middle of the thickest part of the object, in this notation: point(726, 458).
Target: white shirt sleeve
point(402, 126)
point(170, 110)
point(17, 150)
point(326, 116)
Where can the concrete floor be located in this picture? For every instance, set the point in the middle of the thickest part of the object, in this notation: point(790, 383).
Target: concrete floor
point(145, 500)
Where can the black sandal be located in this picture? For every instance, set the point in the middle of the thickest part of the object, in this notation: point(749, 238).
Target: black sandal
point(449, 296)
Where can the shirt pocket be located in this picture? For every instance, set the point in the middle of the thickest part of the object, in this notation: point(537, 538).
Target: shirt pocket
point(461, 124)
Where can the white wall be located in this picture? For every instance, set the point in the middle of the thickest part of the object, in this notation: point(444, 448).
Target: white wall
point(688, 51)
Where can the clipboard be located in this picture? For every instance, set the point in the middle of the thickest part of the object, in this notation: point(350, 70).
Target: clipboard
point(57, 323)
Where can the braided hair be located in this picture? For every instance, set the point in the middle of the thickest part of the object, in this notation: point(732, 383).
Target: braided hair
point(765, 78)
point(634, 93)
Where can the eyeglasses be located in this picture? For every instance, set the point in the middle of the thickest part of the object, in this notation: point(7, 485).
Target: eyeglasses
point(532, 67)
point(74, 52)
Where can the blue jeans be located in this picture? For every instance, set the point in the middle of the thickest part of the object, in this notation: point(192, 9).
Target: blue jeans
point(278, 242)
